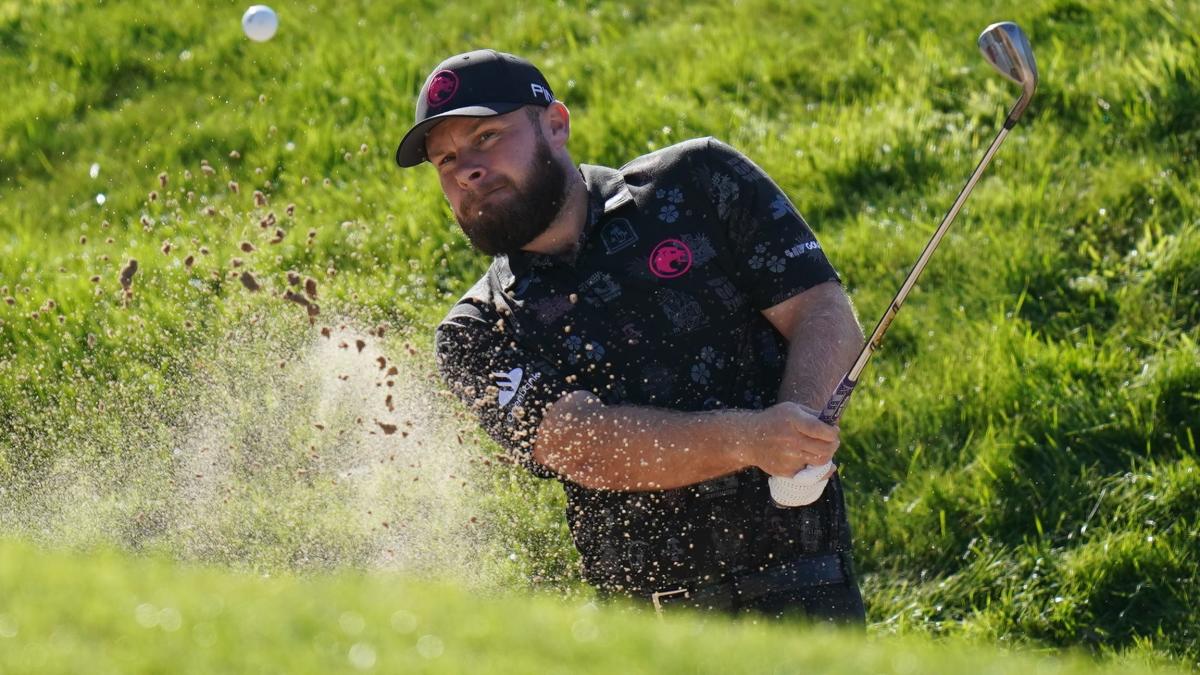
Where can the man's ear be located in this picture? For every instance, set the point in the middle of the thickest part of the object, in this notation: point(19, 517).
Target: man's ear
point(558, 124)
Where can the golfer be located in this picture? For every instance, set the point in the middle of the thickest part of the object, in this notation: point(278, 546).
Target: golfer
point(654, 337)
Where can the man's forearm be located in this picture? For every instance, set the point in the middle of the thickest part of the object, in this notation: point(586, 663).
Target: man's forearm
point(823, 344)
point(631, 448)
point(635, 448)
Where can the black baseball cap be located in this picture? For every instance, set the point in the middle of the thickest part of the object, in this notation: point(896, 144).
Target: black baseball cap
point(481, 83)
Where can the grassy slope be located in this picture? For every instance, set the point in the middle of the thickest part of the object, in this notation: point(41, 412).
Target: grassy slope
point(1024, 459)
point(151, 616)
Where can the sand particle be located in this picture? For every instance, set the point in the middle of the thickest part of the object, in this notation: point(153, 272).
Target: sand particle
point(127, 273)
point(249, 281)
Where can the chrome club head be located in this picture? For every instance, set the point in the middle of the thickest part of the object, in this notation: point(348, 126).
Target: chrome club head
point(1005, 46)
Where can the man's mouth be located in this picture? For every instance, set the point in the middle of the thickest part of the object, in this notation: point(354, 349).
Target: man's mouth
point(479, 197)
point(491, 190)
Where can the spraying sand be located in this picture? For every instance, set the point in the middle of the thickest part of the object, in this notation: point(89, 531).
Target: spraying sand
point(298, 449)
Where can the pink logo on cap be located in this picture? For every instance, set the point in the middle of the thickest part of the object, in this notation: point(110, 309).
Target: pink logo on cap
point(442, 87)
point(671, 258)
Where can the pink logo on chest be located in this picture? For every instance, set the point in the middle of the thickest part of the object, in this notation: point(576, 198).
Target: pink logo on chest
point(671, 258)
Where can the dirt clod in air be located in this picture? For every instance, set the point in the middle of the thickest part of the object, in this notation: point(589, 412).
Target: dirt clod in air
point(249, 281)
point(387, 429)
point(312, 308)
point(127, 273)
point(361, 344)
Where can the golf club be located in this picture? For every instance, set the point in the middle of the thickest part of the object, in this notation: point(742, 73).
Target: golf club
point(1005, 46)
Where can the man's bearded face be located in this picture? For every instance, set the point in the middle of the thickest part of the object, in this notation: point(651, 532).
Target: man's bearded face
point(504, 216)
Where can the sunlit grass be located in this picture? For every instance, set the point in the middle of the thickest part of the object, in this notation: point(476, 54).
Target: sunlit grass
point(1021, 455)
point(110, 613)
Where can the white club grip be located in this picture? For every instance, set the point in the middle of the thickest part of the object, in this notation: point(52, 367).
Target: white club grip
point(803, 488)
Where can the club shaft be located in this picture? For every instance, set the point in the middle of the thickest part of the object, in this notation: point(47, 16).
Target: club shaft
point(837, 403)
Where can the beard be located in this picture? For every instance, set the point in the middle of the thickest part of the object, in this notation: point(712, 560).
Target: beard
point(506, 225)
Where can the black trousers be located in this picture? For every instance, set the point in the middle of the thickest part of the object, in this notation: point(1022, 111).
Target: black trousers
point(838, 604)
point(820, 588)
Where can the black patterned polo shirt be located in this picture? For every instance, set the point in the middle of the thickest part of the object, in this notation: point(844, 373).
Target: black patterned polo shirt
point(660, 306)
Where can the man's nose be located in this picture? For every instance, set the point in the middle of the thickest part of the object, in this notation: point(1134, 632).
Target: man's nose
point(470, 172)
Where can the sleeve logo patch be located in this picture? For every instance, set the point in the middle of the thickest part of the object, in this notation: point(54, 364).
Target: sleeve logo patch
point(514, 388)
point(508, 384)
point(802, 248)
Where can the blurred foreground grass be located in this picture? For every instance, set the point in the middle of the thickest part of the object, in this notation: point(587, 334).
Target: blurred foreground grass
point(105, 612)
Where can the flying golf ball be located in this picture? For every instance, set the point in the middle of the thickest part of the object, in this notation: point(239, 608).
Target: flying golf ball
point(260, 23)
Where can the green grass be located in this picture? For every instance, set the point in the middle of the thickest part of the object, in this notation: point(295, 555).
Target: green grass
point(1021, 458)
point(151, 615)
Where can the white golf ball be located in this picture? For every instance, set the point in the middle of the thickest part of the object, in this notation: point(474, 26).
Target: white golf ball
point(260, 23)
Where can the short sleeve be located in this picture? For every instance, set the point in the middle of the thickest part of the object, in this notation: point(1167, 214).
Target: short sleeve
point(772, 251)
point(505, 386)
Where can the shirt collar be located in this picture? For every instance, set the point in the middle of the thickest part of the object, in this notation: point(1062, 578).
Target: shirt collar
point(607, 192)
point(606, 189)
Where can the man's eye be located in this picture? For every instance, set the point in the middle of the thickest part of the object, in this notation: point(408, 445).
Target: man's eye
point(446, 159)
point(486, 135)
